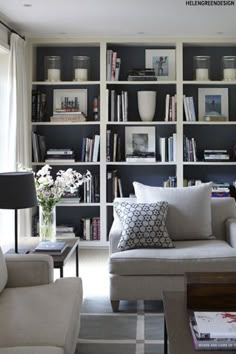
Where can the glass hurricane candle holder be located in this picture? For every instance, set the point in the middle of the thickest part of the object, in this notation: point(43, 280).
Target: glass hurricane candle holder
point(52, 68)
point(201, 67)
point(81, 68)
point(229, 68)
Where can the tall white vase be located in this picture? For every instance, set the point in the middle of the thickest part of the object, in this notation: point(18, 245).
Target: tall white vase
point(146, 105)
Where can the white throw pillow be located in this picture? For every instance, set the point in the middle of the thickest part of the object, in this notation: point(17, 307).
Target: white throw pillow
point(189, 212)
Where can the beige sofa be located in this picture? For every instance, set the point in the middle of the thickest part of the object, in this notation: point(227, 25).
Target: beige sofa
point(37, 315)
point(144, 273)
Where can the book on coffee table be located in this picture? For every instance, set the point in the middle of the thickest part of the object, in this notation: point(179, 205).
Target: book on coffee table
point(216, 324)
point(56, 247)
point(205, 343)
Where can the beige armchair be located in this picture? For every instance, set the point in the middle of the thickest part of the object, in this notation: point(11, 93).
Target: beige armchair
point(37, 314)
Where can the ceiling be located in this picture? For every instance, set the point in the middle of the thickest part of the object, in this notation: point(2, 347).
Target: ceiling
point(69, 18)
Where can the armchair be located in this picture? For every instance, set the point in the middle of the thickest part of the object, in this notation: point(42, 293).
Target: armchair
point(38, 315)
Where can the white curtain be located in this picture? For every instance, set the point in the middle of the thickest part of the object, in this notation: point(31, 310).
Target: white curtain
point(18, 118)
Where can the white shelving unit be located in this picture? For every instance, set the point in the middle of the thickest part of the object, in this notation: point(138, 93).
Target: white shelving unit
point(184, 84)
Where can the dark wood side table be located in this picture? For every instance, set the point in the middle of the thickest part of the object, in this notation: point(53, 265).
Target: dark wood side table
point(177, 336)
point(60, 260)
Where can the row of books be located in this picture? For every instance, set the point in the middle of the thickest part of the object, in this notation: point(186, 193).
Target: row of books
point(113, 65)
point(90, 149)
point(190, 149)
point(170, 182)
point(170, 108)
point(168, 148)
point(90, 190)
point(114, 186)
point(113, 146)
point(91, 229)
point(213, 330)
point(38, 106)
point(117, 106)
point(189, 109)
point(38, 147)
point(219, 190)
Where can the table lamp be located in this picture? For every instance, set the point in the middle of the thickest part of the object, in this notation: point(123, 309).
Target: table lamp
point(17, 191)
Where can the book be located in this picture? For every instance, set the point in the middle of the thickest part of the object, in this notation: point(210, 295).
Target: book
point(205, 343)
point(56, 247)
point(70, 118)
point(216, 324)
point(140, 159)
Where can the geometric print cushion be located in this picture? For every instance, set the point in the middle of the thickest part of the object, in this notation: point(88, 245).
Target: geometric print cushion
point(143, 225)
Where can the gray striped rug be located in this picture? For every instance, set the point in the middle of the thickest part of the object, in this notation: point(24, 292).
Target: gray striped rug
point(136, 329)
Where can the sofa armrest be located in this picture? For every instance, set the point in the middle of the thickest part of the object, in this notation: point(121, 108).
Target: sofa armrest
point(114, 236)
point(29, 269)
point(231, 231)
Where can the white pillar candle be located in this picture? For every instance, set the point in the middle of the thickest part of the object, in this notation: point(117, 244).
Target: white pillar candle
point(202, 74)
point(81, 74)
point(229, 74)
point(54, 74)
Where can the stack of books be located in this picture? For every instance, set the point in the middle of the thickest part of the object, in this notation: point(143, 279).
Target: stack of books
point(60, 155)
point(69, 117)
point(70, 198)
point(220, 190)
point(216, 155)
point(55, 248)
point(141, 157)
point(142, 75)
point(64, 231)
point(213, 330)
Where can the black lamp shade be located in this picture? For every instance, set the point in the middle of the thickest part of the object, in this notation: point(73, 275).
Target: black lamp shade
point(17, 190)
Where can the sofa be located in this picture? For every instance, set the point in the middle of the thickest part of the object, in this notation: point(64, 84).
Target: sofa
point(37, 315)
point(202, 237)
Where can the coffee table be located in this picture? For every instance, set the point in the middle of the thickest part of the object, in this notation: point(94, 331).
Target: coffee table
point(60, 260)
point(177, 334)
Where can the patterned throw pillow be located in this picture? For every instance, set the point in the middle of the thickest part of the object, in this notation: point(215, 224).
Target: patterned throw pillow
point(143, 225)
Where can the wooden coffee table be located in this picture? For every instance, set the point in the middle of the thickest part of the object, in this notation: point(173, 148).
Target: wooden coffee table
point(60, 260)
point(177, 336)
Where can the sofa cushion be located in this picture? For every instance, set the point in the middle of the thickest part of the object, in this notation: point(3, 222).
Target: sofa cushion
point(191, 256)
point(3, 271)
point(32, 350)
point(189, 212)
point(43, 315)
point(143, 225)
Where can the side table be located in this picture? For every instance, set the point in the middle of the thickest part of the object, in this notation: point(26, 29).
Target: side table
point(72, 246)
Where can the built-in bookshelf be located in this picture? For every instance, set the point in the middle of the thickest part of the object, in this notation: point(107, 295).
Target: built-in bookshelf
point(113, 83)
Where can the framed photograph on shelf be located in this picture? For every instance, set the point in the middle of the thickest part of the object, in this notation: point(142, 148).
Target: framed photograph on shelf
point(213, 104)
point(70, 101)
point(140, 144)
point(162, 61)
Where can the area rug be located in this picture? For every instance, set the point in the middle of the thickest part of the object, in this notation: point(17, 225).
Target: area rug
point(136, 329)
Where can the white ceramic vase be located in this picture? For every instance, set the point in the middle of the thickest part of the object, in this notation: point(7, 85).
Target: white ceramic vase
point(146, 105)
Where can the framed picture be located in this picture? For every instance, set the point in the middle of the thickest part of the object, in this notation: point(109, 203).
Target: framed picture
point(162, 61)
point(70, 101)
point(213, 103)
point(140, 142)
